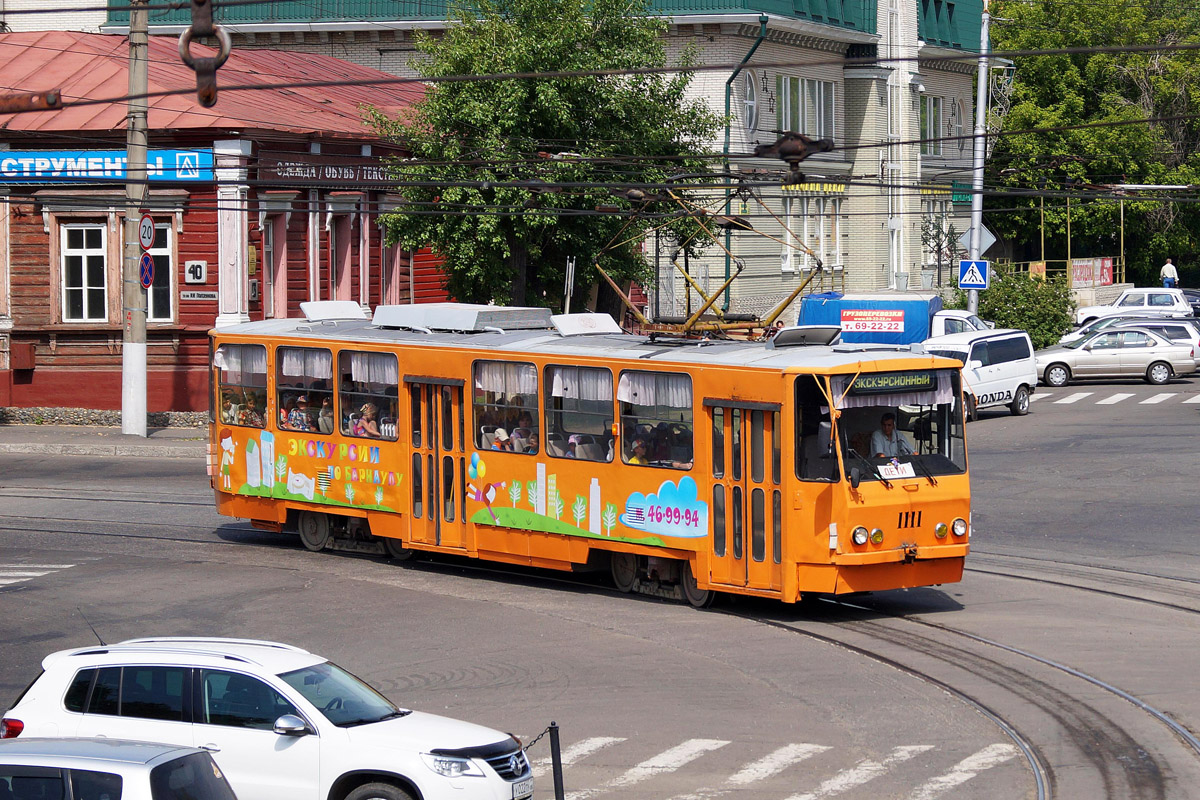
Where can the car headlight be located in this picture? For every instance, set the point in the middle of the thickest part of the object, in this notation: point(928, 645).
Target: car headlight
point(960, 527)
point(451, 766)
point(940, 530)
point(859, 535)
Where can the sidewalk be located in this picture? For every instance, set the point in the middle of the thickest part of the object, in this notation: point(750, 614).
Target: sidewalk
point(99, 440)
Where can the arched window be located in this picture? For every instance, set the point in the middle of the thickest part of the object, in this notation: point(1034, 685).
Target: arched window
point(750, 99)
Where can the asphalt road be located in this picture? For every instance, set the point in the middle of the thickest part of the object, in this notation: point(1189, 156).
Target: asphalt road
point(1081, 581)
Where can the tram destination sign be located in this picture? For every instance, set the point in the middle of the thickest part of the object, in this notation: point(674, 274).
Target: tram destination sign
point(887, 382)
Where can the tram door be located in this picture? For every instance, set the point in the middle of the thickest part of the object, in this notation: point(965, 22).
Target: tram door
point(437, 491)
point(747, 499)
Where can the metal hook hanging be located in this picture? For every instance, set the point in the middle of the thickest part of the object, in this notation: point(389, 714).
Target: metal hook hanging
point(204, 67)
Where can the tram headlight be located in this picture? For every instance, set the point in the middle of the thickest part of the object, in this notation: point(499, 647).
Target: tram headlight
point(940, 530)
point(860, 535)
point(877, 536)
point(960, 527)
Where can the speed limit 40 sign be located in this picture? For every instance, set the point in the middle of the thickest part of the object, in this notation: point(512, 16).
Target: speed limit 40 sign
point(146, 232)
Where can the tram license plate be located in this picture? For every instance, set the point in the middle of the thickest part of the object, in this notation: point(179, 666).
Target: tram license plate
point(522, 789)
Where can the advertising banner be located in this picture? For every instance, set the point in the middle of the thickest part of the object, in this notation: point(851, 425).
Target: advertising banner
point(103, 166)
point(1083, 272)
point(879, 320)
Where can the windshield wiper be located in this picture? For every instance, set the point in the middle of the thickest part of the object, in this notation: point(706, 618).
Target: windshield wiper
point(921, 466)
point(350, 723)
point(870, 466)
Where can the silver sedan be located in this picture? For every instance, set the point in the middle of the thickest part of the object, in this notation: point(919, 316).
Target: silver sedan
point(1120, 353)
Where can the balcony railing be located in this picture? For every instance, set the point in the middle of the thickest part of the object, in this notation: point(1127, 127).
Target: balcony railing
point(856, 15)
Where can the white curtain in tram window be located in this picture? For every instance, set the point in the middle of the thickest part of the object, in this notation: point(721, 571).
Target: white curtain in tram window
point(655, 389)
point(581, 383)
point(375, 368)
point(243, 364)
point(506, 379)
point(303, 362)
point(942, 394)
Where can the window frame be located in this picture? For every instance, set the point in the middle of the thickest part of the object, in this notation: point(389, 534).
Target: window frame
point(931, 124)
point(799, 100)
point(550, 415)
point(387, 405)
point(501, 415)
point(104, 251)
point(245, 388)
point(166, 253)
point(628, 437)
point(305, 385)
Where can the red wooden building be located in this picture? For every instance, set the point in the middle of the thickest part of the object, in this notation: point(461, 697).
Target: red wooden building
point(268, 199)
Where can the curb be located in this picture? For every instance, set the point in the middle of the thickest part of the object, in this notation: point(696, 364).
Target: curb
point(114, 450)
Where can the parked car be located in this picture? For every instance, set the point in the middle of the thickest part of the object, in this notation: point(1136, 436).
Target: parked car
point(998, 367)
point(279, 721)
point(1116, 353)
point(1193, 297)
point(1152, 302)
point(1180, 330)
point(108, 769)
point(1179, 327)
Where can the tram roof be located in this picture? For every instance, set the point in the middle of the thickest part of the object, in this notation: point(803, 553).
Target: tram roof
point(615, 346)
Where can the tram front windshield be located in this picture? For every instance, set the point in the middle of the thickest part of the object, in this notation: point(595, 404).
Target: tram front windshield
point(888, 425)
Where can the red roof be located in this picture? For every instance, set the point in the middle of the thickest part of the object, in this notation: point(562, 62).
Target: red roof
point(93, 66)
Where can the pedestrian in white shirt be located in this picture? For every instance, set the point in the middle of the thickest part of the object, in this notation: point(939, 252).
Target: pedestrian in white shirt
point(1169, 275)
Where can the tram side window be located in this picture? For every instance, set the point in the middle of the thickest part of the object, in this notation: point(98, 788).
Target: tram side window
point(504, 397)
point(815, 457)
point(579, 413)
point(656, 419)
point(304, 389)
point(242, 384)
point(368, 394)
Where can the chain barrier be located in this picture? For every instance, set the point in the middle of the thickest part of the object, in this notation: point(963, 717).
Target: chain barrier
point(537, 738)
point(205, 67)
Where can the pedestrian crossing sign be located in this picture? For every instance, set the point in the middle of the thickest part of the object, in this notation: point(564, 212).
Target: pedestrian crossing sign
point(973, 274)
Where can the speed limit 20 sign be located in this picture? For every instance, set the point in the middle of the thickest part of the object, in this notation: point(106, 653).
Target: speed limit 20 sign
point(146, 232)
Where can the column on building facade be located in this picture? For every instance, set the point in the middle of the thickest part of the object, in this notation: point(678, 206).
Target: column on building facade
point(230, 158)
point(341, 208)
point(314, 245)
point(274, 218)
point(865, 97)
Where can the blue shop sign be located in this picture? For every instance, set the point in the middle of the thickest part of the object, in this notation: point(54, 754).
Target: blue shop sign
point(103, 166)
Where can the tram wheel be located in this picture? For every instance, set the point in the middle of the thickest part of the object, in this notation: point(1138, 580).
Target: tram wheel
point(624, 571)
point(395, 550)
point(314, 530)
point(696, 597)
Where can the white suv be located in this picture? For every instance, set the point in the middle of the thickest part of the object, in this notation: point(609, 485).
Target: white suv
point(279, 721)
point(1153, 302)
point(108, 769)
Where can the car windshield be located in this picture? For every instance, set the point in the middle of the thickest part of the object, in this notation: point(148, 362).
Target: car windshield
point(957, 355)
point(1078, 343)
point(977, 323)
point(344, 699)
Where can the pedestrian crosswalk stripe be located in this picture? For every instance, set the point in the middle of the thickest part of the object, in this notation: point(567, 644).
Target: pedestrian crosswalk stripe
point(1158, 398)
point(19, 573)
point(1116, 398)
point(1073, 398)
point(766, 767)
point(666, 761)
point(578, 751)
point(964, 770)
point(862, 772)
point(1193, 399)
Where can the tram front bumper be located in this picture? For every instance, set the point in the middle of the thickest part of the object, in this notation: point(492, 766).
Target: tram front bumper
point(898, 554)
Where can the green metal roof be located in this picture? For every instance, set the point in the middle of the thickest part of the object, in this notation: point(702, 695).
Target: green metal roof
point(942, 23)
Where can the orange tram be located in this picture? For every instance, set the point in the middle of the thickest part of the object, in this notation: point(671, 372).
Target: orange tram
point(686, 467)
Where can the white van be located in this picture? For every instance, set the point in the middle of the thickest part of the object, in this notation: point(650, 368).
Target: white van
point(998, 367)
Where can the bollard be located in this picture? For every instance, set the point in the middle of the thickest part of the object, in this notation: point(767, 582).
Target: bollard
point(556, 761)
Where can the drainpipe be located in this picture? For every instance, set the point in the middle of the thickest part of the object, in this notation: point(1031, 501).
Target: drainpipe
point(762, 34)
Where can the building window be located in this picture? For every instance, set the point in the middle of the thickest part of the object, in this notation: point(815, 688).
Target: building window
point(159, 297)
point(805, 106)
point(85, 273)
point(931, 125)
point(935, 234)
point(750, 100)
point(812, 223)
point(961, 125)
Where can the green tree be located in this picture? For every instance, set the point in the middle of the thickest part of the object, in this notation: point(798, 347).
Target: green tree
point(1155, 90)
point(1042, 308)
point(500, 185)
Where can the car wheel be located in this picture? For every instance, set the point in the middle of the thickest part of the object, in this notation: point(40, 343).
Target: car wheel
point(396, 551)
point(314, 530)
point(1158, 373)
point(697, 597)
point(379, 791)
point(624, 571)
point(1020, 402)
point(1057, 375)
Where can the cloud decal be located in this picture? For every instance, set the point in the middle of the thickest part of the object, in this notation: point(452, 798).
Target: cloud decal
point(671, 511)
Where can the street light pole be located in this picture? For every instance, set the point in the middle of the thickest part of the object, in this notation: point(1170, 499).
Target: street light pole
point(981, 102)
point(133, 296)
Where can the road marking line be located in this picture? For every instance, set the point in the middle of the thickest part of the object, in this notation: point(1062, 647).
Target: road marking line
point(667, 761)
point(577, 752)
point(1158, 398)
point(7, 581)
point(1116, 398)
point(863, 772)
point(1073, 398)
point(1193, 399)
point(16, 573)
point(765, 767)
point(36, 566)
point(1035, 397)
point(964, 770)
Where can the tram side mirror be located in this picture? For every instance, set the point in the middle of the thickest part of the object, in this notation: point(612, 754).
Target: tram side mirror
point(855, 477)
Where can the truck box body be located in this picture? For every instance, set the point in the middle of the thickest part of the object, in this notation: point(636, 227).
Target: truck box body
point(894, 318)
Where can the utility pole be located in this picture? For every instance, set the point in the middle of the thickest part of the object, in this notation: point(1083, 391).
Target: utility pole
point(133, 296)
point(981, 104)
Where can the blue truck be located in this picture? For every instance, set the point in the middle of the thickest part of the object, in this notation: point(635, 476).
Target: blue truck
point(898, 318)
